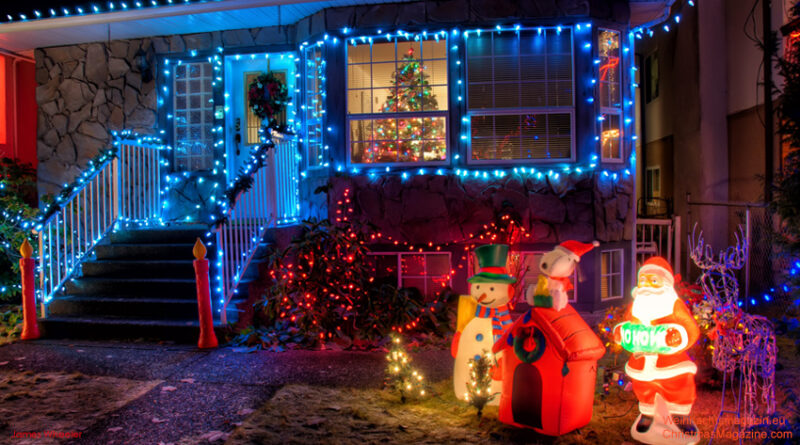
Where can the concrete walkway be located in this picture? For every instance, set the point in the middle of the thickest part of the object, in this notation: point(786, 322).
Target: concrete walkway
point(215, 389)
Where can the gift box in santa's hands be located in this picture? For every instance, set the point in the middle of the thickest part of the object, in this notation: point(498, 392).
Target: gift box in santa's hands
point(549, 371)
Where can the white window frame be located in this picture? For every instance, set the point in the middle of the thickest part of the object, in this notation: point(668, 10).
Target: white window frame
point(308, 97)
point(653, 192)
point(209, 155)
point(425, 275)
point(395, 115)
point(524, 110)
point(612, 274)
point(615, 111)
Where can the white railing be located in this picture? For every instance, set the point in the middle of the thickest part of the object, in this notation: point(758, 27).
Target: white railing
point(659, 237)
point(123, 188)
point(272, 200)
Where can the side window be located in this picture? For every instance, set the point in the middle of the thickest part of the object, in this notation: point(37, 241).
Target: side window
point(611, 264)
point(193, 121)
point(428, 272)
point(313, 111)
point(610, 94)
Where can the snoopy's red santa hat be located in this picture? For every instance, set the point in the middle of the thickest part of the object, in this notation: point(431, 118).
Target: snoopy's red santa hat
point(660, 267)
point(576, 249)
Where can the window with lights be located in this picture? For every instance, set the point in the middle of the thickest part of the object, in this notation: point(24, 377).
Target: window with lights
point(428, 272)
point(520, 99)
point(193, 110)
point(611, 264)
point(397, 101)
point(313, 112)
point(610, 94)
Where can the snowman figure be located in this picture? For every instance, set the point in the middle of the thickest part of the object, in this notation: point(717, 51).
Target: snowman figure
point(483, 316)
point(558, 265)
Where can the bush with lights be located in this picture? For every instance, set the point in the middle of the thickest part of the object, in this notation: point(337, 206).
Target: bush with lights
point(400, 375)
point(17, 196)
point(479, 386)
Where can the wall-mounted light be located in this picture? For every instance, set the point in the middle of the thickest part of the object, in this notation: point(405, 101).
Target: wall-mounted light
point(141, 62)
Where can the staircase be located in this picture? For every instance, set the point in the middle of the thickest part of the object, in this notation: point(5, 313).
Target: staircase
point(139, 284)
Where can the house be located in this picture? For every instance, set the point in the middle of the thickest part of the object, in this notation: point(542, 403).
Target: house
point(526, 108)
point(549, 369)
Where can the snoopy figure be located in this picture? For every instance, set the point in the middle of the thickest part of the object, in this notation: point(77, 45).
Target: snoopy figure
point(557, 267)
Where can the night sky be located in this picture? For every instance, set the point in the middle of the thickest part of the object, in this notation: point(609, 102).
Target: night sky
point(27, 7)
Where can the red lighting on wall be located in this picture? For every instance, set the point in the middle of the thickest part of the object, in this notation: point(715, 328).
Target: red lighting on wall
point(3, 102)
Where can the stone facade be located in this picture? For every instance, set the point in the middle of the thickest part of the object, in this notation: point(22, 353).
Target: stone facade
point(88, 90)
point(443, 209)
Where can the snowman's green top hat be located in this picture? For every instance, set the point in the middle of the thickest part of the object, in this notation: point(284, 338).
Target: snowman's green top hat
point(492, 262)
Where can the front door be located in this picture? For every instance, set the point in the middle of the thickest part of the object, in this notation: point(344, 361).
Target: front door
point(243, 127)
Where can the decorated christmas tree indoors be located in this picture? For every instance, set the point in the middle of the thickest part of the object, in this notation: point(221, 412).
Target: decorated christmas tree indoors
point(409, 139)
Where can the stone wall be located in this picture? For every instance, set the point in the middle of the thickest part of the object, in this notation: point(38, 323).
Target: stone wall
point(441, 209)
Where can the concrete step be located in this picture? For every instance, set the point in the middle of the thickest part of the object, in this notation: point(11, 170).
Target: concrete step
point(121, 307)
point(158, 235)
point(97, 327)
point(133, 287)
point(139, 269)
point(165, 251)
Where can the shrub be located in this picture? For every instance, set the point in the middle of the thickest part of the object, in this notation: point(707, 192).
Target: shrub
point(324, 291)
point(17, 196)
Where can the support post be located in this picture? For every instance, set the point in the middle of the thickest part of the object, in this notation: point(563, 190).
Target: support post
point(30, 328)
point(208, 338)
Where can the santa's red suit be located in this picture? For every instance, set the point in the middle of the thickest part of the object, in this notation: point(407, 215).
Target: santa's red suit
point(670, 375)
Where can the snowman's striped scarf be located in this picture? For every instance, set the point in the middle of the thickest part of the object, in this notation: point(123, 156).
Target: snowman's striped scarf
point(500, 318)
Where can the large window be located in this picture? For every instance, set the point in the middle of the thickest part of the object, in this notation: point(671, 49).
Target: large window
point(520, 95)
point(610, 94)
point(313, 111)
point(611, 274)
point(397, 101)
point(193, 107)
point(429, 272)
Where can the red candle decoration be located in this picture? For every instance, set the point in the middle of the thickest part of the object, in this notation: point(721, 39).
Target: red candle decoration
point(208, 338)
point(30, 329)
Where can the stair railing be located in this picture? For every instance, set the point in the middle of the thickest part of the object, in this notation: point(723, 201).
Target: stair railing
point(126, 188)
point(272, 200)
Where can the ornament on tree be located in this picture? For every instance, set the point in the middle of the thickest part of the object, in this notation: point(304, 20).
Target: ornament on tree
point(557, 267)
point(479, 389)
point(400, 375)
point(658, 330)
point(483, 315)
point(408, 139)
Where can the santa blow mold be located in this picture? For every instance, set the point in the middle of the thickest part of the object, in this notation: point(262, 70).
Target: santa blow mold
point(482, 316)
point(658, 330)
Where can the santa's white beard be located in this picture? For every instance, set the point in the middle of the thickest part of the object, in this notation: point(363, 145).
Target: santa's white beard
point(651, 304)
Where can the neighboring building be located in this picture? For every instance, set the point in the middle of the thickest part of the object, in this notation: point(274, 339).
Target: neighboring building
point(702, 125)
point(526, 107)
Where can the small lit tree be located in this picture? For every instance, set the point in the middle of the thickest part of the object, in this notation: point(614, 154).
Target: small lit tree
point(400, 375)
point(479, 387)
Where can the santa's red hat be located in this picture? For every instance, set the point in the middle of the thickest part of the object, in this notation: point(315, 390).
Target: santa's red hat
point(658, 266)
point(576, 249)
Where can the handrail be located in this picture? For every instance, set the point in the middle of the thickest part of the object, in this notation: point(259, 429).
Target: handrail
point(125, 187)
point(271, 200)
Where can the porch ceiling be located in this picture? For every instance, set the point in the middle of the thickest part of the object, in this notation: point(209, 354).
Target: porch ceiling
point(179, 19)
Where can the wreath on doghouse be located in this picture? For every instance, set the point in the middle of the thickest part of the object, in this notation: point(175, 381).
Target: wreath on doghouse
point(268, 97)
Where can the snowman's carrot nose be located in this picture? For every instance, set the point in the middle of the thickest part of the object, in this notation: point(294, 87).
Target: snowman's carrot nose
point(482, 297)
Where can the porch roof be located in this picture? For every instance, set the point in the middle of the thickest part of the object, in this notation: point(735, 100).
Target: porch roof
point(99, 21)
point(176, 18)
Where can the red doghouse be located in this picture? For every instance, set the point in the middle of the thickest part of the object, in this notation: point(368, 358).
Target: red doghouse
point(549, 371)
